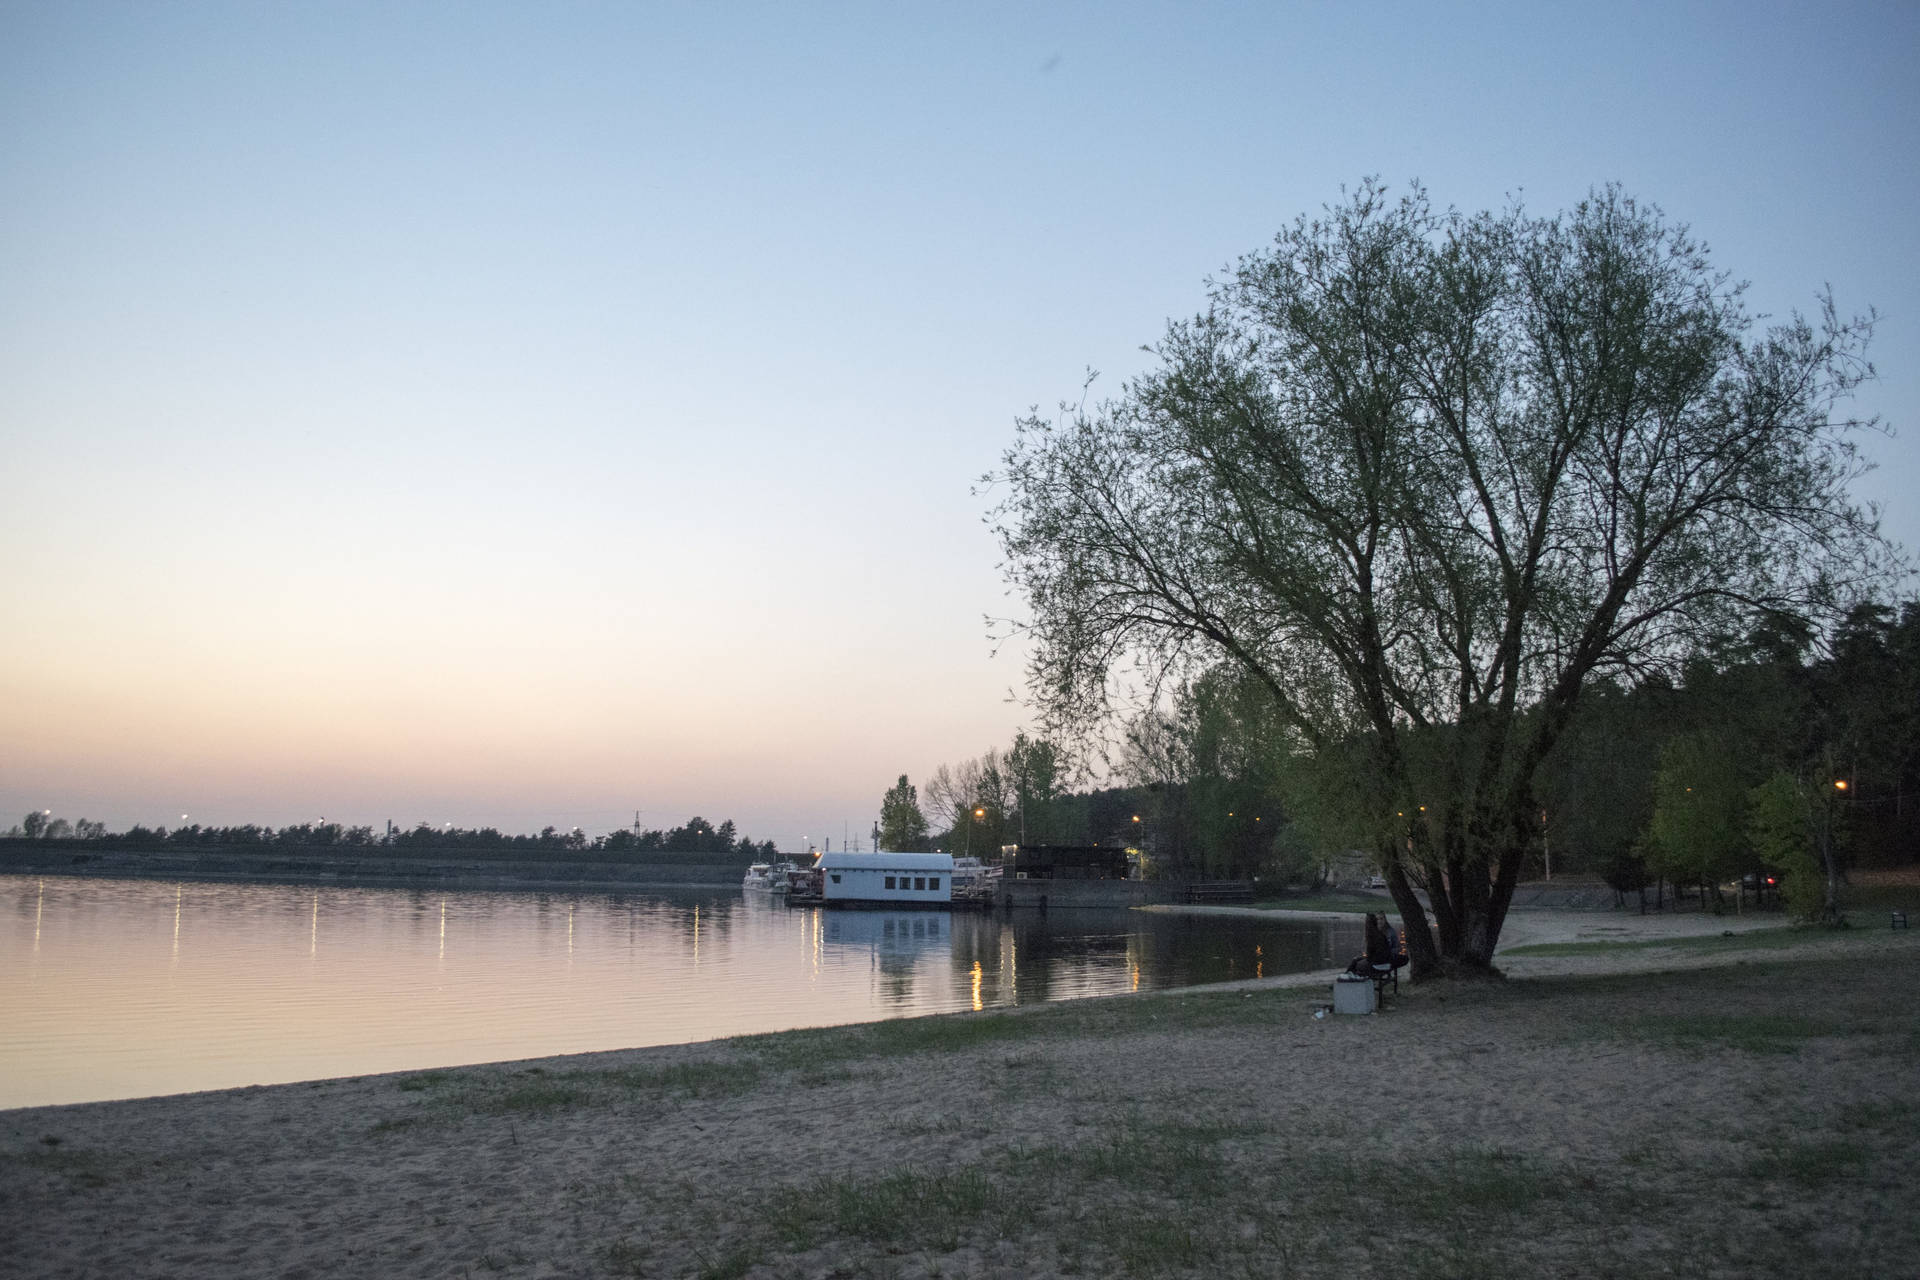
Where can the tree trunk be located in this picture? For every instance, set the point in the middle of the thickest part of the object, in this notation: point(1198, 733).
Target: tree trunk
point(1423, 957)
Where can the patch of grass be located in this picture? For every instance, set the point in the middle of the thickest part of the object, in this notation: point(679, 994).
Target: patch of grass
point(1747, 1032)
point(1475, 1182)
point(533, 1096)
point(1173, 1159)
point(1878, 1117)
point(683, 1079)
point(626, 1258)
point(451, 1097)
point(1752, 939)
point(80, 1170)
point(823, 1055)
point(1812, 1164)
point(1774, 938)
point(398, 1124)
point(730, 1264)
point(1345, 903)
point(1155, 1244)
point(900, 1208)
point(1876, 901)
point(822, 1052)
point(948, 1034)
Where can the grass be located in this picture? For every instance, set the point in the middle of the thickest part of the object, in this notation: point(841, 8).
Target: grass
point(449, 1097)
point(1753, 939)
point(1814, 1164)
point(1746, 1032)
point(1159, 1196)
point(681, 1079)
point(1781, 938)
point(906, 1207)
point(1053, 1161)
point(1346, 903)
point(1876, 900)
point(79, 1170)
point(822, 1049)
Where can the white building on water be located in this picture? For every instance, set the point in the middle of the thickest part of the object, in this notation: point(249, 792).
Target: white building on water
point(887, 879)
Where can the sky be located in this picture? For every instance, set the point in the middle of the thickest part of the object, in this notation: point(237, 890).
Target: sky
point(520, 415)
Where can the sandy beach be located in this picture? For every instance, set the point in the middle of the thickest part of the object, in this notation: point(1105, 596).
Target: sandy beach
point(1710, 1105)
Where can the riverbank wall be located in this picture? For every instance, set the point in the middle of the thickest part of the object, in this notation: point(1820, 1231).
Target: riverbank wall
point(370, 868)
point(1069, 895)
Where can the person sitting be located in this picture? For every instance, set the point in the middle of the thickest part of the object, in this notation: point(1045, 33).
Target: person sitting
point(1396, 944)
point(1384, 952)
point(1377, 952)
point(1379, 941)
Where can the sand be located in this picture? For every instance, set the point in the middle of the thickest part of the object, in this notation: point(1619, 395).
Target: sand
point(1736, 1111)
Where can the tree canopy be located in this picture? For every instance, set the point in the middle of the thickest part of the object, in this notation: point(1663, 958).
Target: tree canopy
point(1424, 476)
point(903, 828)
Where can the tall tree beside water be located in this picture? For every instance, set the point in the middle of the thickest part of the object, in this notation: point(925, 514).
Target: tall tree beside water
point(1425, 476)
point(903, 828)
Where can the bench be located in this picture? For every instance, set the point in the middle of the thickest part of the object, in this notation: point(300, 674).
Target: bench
point(1388, 975)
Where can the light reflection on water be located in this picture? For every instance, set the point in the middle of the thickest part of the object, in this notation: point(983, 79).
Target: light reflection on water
point(128, 988)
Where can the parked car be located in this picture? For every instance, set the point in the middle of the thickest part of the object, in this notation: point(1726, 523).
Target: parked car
point(1376, 882)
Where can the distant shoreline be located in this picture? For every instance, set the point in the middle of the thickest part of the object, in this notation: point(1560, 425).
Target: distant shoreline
point(370, 869)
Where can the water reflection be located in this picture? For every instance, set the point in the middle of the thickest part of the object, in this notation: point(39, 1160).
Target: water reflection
point(413, 979)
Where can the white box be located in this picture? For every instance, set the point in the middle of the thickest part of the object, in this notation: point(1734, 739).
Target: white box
point(1353, 994)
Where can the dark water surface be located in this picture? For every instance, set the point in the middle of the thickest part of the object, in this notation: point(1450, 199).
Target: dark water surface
point(130, 988)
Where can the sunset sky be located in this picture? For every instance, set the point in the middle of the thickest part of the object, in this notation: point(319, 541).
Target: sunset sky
point(524, 414)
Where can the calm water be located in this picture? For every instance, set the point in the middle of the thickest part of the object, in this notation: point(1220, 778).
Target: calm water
point(128, 988)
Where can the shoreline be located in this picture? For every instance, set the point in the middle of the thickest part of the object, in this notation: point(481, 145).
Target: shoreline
point(1550, 1124)
point(374, 871)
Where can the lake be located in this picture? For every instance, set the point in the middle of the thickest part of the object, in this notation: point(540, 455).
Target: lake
point(130, 988)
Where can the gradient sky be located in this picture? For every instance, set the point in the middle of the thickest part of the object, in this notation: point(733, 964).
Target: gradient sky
point(514, 414)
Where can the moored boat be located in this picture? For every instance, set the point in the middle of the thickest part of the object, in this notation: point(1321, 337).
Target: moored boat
point(764, 877)
point(886, 879)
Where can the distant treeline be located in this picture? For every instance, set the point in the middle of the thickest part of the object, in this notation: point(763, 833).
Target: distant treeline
point(697, 835)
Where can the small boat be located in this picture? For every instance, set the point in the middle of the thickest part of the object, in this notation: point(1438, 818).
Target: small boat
point(974, 882)
point(763, 877)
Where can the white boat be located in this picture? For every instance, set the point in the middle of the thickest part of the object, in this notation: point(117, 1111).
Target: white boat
point(974, 881)
point(763, 877)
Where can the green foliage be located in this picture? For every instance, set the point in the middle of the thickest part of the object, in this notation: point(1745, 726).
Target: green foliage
point(1425, 476)
point(1696, 832)
point(1779, 823)
point(903, 828)
point(1215, 768)
point(1018, 796)
point(1036, 770)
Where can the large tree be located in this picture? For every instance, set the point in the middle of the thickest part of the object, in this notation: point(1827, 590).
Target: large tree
point(902, 827)
point(1425, 475)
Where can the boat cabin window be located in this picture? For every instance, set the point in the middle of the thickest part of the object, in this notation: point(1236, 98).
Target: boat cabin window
point(933, 882)
point(836, 877)
point(889, 882)
point(919, 882)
